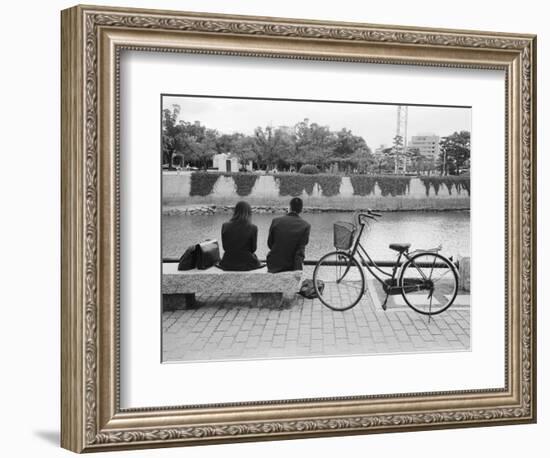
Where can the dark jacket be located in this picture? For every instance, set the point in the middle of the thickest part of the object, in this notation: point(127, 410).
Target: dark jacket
point(288, 237)
point(239, 239)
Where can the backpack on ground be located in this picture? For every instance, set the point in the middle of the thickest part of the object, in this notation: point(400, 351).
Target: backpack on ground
point(307, 289)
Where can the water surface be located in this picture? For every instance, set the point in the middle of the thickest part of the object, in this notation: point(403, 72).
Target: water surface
point(451, 229)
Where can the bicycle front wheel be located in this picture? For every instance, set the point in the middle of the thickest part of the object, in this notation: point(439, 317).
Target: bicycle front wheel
point(343, 280)
point(429, 283)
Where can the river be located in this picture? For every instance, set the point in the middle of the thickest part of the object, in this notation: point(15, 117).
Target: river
point(451, 229)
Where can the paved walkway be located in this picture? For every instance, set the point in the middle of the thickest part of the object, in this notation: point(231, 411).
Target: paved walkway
point(229, 327)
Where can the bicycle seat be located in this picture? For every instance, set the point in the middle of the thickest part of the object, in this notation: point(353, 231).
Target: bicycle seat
point(400, 247)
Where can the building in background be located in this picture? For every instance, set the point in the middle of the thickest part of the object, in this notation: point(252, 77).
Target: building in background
point(427, 145)
point(224, 162)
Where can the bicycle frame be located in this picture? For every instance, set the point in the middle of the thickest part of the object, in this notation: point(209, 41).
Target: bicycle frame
point(360, 251)
point(367, 261)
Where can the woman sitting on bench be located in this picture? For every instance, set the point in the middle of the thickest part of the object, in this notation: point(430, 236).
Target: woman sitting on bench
point(239, 239)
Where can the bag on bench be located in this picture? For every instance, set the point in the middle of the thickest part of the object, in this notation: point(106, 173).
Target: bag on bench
point(188, 260)
point(207, 254)
point(200, 256)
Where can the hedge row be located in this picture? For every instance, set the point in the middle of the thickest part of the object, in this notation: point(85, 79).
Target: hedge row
point(244, 182)
point(393, 186)
point(202, 183)
point(330, 184)
point(294, 184)
point(363, 185)
point(450, 181)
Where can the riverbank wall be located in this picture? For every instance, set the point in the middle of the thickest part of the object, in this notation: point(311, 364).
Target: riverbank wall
point(271, 192)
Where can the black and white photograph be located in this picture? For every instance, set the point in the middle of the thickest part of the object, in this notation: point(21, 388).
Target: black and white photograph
point(310, 228)
point(247, 229)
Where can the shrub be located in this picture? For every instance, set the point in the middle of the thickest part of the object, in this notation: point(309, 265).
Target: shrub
point(308, 169)
point(330, 184)
point(393, 186)
point(464, 183)
point(363, 185)
point(426, 182)
point(459, 183)
point(309, 183)
point(202, 183)
point(449, 183)
point(436, 184)
point(244, 182)
point(294, 184)
point(431, 181)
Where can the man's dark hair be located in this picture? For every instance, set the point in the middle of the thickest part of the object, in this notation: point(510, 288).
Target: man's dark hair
point(296, 205)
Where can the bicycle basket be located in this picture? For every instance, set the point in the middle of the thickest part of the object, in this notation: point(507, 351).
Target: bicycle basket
point(343, 235)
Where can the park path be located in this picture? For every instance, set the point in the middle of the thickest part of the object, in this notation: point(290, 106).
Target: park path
point(229, 327)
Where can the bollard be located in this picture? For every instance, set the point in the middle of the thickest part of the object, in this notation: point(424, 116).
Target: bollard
point(464, 273)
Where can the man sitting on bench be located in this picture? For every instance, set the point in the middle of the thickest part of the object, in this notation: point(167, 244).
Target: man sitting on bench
point(288, 237)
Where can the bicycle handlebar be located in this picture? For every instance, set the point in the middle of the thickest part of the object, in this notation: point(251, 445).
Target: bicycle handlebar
point(368, 214)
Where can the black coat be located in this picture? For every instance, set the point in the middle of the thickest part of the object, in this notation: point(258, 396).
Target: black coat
point(288, 237)
point(239, 239)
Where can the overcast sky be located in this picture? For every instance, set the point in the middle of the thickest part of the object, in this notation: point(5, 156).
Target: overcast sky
point(375, 123)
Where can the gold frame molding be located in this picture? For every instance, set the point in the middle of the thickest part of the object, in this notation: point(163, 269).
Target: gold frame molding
point(92, 39)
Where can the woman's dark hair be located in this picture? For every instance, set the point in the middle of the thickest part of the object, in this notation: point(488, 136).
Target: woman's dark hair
point(242, 211)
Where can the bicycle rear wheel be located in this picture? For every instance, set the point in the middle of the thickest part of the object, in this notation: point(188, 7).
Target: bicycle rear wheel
point(429, 283)
point(343, 279)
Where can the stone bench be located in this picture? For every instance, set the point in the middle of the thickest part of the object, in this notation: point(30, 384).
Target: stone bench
point(179, 288)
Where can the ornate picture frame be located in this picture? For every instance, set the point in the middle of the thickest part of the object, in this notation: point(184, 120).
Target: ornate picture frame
point(92, 40)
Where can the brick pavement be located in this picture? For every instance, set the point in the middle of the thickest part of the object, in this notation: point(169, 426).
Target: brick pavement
point(230, 327)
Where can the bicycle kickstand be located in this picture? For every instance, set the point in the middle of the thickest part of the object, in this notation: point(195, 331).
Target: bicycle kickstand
point(384, 304)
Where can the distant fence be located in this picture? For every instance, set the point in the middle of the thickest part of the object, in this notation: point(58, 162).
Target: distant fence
point(385, 192)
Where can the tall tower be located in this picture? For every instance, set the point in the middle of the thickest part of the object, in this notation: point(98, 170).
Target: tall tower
point(401, 131)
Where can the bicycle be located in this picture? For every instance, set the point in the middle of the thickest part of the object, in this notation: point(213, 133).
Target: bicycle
point(342, 276)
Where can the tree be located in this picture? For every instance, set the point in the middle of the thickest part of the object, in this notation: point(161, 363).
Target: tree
point(454, 153)
point(192, 140)
point(288, 155)
point(314, 143)
point(271, 146)
point(386, 160)
point(244, 148)
point(415, 159)
point(282, 147)
point(225, 142)
point(200, 142)
point(171, 143)
point(352, 151)
point(397, 151)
